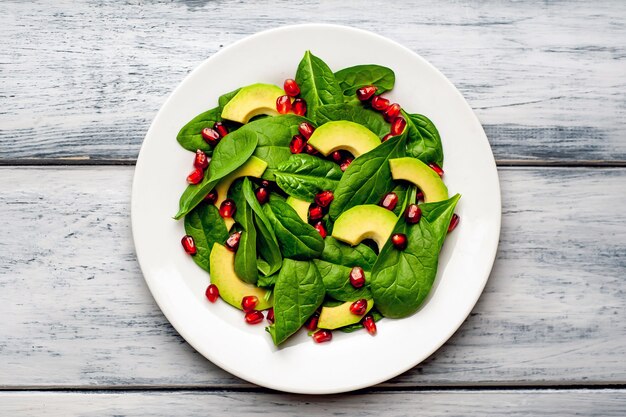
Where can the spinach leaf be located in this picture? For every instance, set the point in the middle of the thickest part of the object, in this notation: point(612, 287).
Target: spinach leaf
point(298, 292)
point(245, 257)
point(368, 177)
point(207, 227)
point(424, 142)
point(346, 255)
point(401, 280)
point(303, 176)
point(317, 83)
point(297, 239)
point(336, 280)
point(352, 78)
point(354, 112)
point(267, 281)
point(358, 326)
point(402, 191)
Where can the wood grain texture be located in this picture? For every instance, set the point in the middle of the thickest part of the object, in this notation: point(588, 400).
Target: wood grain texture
point(77, 311)
point(83, 79)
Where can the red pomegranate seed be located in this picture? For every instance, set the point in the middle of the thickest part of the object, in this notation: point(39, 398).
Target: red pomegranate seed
point(212, 293)
point(270, 315)
point(211, 136)
point(419, 196)
point(386, 137)
point(249, 302)
point(454, 222)
point(370, 325)
point(357, 277)
point(359, 307)
point(337, 156)
point(322, 336)
point(189, 245)
point(254, 317)
point(399, 241)
point(200, 161)
point(283, 104)
point(398, 125)
point(310, 150)
point(365, 93)
point(265, 183)
point(291, 87)
point(220, 128)
point(315, 212)
point(319, 226)
point(306, 129)
point(324, 198)
point(380, 103)
point(262, 195)
point(311, 323)
point(196, 176)
point(227, 208)
point(211, 197)
point(392, 112)
point(345, 164)
point(297, 144)
point(436, 168)
point(389, 201)
point(299, 107)
point(232, 243)
point(413, 214)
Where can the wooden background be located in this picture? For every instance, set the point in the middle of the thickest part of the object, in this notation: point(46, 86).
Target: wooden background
point(80, 82)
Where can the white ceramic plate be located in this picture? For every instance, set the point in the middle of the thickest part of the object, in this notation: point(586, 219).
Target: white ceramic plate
point(350, 361)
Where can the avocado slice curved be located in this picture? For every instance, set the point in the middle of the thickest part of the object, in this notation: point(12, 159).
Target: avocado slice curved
point(232, 289)
point(367, 221)
point(300, 206)
point(420, 174)
point(251, 101)
point(343, 135)
point(340, 316)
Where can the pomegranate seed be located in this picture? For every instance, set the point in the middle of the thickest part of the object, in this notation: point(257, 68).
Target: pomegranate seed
point(306, 129)
point(196, 176)
point(212, 293)
point(386, 137)
point(310, 150)
point(392, 112)
point(319, 226)
point(297, 144)
point(380, 103)
point(299, 107)
point(262, 195)
point(345, 164)
point(322, 336)
point(413, 214)
point(399, 241)
point(283, 104)
point(389, 201)
point(365, 93)
point(359, 307)
point(220, 128)
point(232, 243)
point(291, 87)
point(398, 125)
point(211, 136)
point(311, 323)
point(211, 197)
point(436, 168)
point(419, 196)
point(369, 324)
point(454, 222)
point(189, 245)
point(265, 183)
point(270, 315)
point(357, 277)
point(200, 161)
point(254, 317)
point(337, 156)
point(315, 212)
point(249, 302)
point(227, 208)
point(324, 198)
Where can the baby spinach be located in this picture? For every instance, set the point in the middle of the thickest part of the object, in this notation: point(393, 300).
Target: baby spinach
point(303, 176)
point(368, 177)
point(298, 292)
point(317, 83)
point(207, 227)
point(352, 78)
point(401, 280)
point(424, 142)
point(336, 280)
point(245, 257)
point(354, 112)
point(346, 255)
point(297, 239)
point(267, 281)
point(359, 326)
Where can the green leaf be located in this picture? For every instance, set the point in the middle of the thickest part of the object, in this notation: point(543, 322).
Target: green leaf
point(401, 280)
point(424, 142)
point(298, 292)
point(368, 177)
point(245, 257)
point(303, 176)
point(297, 239)
point(267, 281)
point(317, 83)
point(358, 326)
point(352, 78)
point(354, 112)
point(207, 227)
point(336, 280)
point(346, 255)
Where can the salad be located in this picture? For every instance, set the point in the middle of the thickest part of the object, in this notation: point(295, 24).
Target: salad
point(320, 204)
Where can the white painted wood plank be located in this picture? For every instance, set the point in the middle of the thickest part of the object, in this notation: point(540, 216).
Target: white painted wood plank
point(567, 403)
point(85, 78)
point(77, 312)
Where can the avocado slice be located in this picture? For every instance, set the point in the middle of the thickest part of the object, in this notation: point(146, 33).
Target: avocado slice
point(232, 289)
point(420, 174)
point(343, 135)
point(300, 206)
point(367, 221)
point(251, 101)
point(340, 316)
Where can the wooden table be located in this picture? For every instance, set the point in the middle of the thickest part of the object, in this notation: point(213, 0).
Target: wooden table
point(79, 84)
